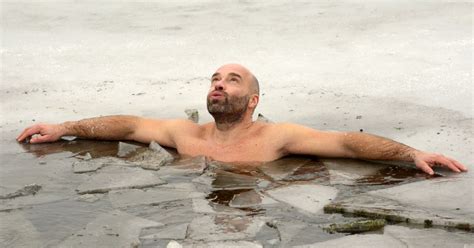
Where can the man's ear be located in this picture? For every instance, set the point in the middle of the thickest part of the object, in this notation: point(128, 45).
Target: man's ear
point(253, 101)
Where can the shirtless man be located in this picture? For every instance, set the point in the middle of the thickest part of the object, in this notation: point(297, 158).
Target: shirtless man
point(234, 136)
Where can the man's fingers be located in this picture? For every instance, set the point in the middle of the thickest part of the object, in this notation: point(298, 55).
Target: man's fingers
point(425, 167)
point(40, 139)
point(459, 165)
point(28, 132)
point(442, 160)
point(22, 135)
point(19, 138)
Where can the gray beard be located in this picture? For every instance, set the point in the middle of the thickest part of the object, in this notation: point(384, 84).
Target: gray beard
point(229, 111)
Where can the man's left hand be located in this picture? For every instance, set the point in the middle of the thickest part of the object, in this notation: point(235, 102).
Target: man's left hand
point(424, 161)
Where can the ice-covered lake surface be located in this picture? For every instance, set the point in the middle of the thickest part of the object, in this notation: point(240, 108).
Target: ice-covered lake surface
point(400, 70)
point(98, 193)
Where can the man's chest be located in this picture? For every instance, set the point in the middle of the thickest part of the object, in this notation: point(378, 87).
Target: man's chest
point(249, 150)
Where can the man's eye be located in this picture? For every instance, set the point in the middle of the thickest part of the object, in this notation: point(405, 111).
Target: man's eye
point(234, 79)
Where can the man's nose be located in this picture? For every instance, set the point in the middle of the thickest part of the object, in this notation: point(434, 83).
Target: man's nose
point(219, 85)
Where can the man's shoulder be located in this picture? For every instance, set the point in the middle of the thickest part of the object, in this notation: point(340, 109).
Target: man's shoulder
point(184, 123)
point(271, 127)
point(185, 126)
point(286, 129)
point(275, 126)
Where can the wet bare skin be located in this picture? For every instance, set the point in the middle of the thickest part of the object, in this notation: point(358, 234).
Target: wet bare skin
point(235, 137)
point(258, 143)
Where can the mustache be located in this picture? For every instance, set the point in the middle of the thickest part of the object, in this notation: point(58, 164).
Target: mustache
point(218, 91)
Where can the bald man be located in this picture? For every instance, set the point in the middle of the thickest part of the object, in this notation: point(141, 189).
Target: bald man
point(234, 136)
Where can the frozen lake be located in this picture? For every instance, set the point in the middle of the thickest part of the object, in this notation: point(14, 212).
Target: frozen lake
point(400, 70)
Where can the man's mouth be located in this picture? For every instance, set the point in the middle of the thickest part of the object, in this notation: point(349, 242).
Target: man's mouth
point(216, 95)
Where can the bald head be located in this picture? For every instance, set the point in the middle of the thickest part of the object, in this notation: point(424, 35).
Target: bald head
point(254, 86)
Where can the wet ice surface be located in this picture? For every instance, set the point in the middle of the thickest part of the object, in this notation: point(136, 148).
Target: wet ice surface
point(194, 201)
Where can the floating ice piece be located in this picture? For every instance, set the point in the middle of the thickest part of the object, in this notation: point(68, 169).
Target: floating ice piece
point(289, 230)
point(262, 118)
point(358, 241)
point(30, 189)
point(119, 177)
point(89, 198)
point(229, 244)
point(112, 229)
point(309, 198)
point(202, 206)
point(357, 226)
point(153, 158)
point(192, 114)
point(95, 164)
point(399, 236)
point(86, 166)
point(250, 199)
point(86, 156)
point(17, 231)
point(189, 166)
point(204, 180)
point(442, 202)
point(224, 227)
point(169, 232)
point(131, 197)
point(125, 149)
point(68, 138)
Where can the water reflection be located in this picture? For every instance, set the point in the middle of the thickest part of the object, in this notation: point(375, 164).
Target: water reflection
point(76, 147)
point(394, 175)
point(224, 196)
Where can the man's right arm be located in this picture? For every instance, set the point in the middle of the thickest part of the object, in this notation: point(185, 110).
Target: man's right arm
point(119, 127)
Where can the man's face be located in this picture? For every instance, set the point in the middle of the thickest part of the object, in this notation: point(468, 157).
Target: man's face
point(229, 92)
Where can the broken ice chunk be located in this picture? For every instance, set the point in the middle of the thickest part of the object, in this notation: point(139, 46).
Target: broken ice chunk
point(263, 118)
point(68, 138)
point(192, 114)
point(125, 149)
point(119, 177)
point(250, 199)
point(30, 189)
point(153, 158)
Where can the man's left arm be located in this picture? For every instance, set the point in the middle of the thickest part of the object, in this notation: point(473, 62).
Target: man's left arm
point(304, 140)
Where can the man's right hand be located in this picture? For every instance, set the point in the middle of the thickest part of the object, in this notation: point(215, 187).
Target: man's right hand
point(41, 133)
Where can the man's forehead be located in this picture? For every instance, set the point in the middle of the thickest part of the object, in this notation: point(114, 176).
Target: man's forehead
point(233, 68)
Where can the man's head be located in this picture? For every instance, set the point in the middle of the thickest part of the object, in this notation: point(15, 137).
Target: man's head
point(234, 93)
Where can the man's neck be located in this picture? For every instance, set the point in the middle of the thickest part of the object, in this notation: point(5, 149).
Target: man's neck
point(225, 132)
